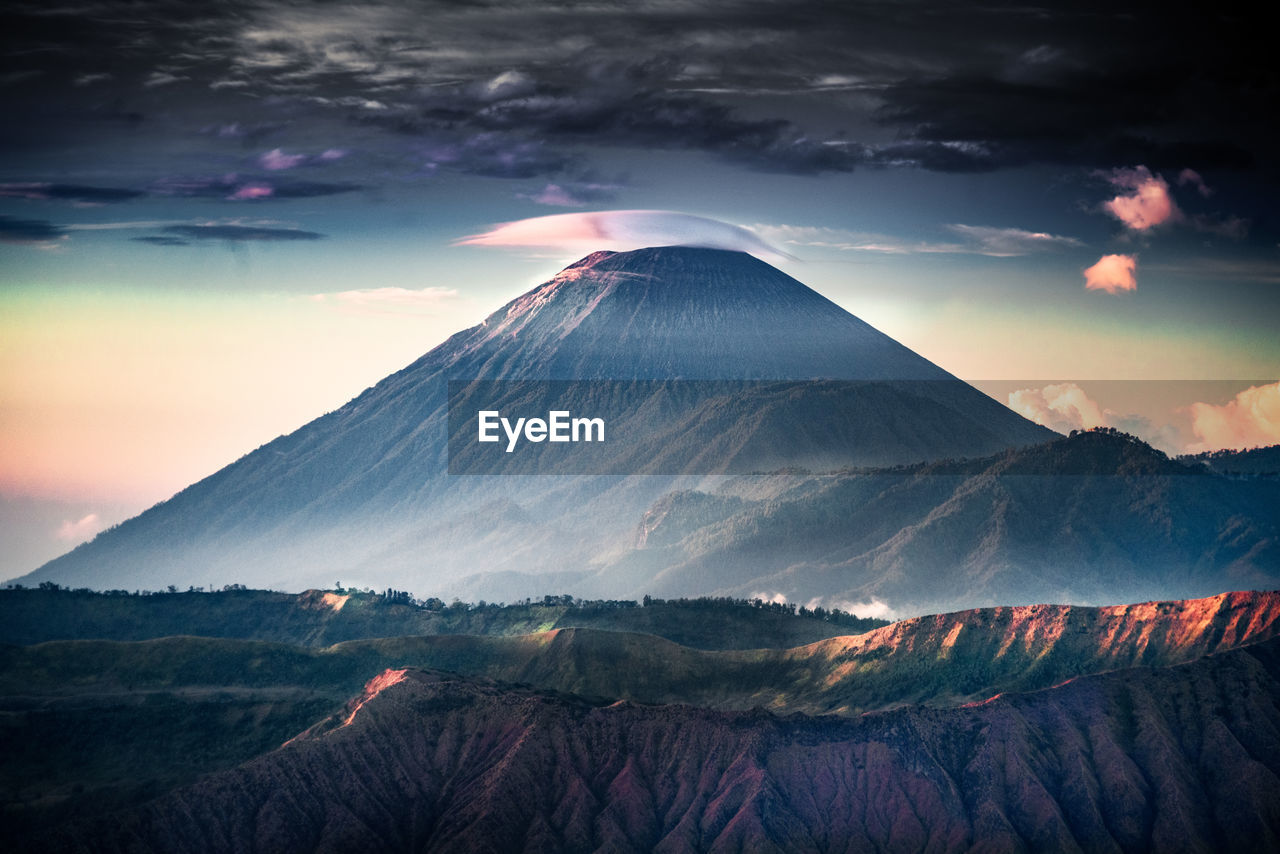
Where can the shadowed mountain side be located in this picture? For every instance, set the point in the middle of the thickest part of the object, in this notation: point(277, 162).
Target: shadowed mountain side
point(1093, 517)
point(364, 489)
point(1184, 758)
point(71, 755)
point(1254, 462)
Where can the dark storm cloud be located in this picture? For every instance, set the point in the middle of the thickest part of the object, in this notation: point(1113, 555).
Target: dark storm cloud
point(71, 192)
point(945, 85)
point(617, 110)
point(248, 188)
point(29, 231)
point(157, 240)
point(311, 189)
point(240, 233)
point(499, 156)
point(1083, 118)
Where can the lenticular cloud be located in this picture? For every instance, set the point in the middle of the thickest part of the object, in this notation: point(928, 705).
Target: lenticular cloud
point(623, 231)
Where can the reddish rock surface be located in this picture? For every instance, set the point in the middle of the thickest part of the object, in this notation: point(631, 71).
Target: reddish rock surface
point(1178, 758)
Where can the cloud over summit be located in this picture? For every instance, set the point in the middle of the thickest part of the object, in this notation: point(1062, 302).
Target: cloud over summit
point(623, 231)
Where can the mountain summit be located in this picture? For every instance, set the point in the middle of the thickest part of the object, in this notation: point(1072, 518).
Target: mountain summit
point(363, 493)
point(677, 312)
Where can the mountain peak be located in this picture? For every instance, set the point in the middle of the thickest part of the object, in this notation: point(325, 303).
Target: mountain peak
point(1100, 451)
point(680, 312)
point(692, 259)
point(591, 260)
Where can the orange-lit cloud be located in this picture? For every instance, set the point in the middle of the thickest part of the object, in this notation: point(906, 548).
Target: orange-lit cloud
point(1251, 419)
point(1066, 406)
point(1113, 274)
point(1062, 407)
point(1148, 202)
point(622, 231)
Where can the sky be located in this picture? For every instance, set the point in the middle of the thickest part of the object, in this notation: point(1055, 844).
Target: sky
point(219, 221)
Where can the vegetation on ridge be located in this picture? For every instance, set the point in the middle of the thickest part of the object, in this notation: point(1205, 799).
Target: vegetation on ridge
point(320, 617)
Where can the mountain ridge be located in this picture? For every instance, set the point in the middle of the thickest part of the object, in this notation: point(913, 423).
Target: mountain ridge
point(94, 726)
point(954, 657)
point(1087, 518)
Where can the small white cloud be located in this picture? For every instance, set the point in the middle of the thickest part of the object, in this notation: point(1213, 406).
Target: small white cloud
point(976, 240)
point(276, 159)
point(79, 531)
point(508, 84)
point(1113, 274)
point(161, 78)
point(875, 608)
point(1011, 242)
point(839, 81)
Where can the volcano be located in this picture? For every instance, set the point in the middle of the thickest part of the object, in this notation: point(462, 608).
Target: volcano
point(363, 494)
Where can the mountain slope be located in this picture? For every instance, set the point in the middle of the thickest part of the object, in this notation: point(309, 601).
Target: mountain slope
point(1088, 518)
point(364, 489)
point(1184, 758)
